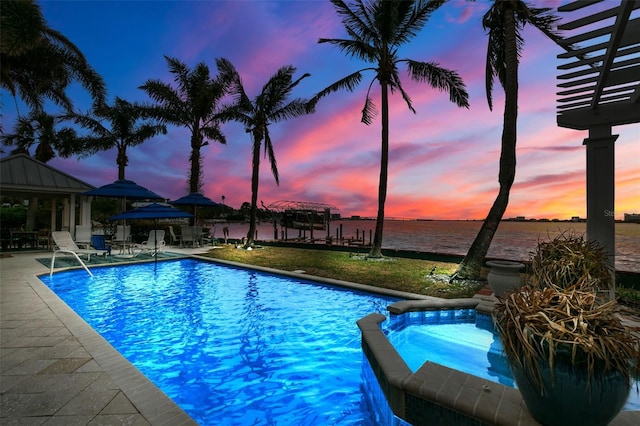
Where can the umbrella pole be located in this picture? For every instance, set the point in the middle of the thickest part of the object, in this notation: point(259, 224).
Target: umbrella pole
point(155, 246)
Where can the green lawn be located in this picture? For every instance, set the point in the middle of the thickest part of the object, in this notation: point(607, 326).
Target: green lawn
point(410, 275)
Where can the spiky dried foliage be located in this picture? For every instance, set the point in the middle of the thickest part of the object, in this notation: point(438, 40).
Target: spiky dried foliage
point(559, 316)
point(569, 260)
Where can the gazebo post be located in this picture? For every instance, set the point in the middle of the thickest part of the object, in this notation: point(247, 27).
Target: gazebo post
point(601, 190)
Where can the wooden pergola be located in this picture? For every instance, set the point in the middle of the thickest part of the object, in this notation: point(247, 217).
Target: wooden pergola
point(599, 87)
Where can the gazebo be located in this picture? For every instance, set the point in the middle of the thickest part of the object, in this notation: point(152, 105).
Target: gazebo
point(25, 177)
point(599, 87)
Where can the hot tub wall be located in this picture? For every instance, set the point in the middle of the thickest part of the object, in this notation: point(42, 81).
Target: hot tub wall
point(437, 395)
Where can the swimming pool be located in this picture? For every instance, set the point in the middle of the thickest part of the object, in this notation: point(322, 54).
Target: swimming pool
point(231, 345)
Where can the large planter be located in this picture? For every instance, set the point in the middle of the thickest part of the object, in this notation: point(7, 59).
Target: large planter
point(568, 400)
point(504, 276)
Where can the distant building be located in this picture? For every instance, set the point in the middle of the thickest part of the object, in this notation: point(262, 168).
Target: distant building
point(632, 217)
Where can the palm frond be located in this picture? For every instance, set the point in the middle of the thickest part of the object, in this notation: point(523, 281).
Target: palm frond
point(493, 21)
point(440, 78)
point(412, 18)
point(369, 111)
point(214, 133)
point(268, 148)
point(295, 108)
point(398, 84)
point(358, 20)
point(349, 83)
point(353, 48)
point(489, 75)
point(230, 78)
point(179, 69)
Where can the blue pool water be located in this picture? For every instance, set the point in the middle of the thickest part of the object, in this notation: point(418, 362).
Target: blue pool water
point(459, 339)
point(229, 345)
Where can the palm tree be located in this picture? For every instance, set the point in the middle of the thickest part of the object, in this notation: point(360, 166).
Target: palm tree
point(124, 130)
point(377, 30)
point(43, 131)
point(39, 62)
point(193, 104)
point(504, 22)
point(270, 106)
point(40, 129)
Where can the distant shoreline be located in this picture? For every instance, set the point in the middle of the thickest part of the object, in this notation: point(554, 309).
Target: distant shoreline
point(543, 220)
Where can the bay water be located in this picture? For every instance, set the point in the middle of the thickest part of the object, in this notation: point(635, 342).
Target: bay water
point(514, 240)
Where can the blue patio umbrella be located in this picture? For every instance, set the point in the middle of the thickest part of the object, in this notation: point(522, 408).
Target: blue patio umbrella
point(194, 199)
point(124, 188)
point(152, 211)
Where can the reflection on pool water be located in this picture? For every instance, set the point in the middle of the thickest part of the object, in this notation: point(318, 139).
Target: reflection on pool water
point(461, 339)
point(229, 345)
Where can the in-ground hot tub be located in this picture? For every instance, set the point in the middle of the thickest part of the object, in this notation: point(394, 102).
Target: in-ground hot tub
point(432, 393)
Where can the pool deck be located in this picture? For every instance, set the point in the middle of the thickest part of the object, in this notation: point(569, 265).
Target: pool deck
point(57, 370)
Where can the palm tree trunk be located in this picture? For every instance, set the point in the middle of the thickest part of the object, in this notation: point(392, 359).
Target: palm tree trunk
point(122, 162)
point(376, 248)
point(194, 175)
point(255, 178)
point(471, 265)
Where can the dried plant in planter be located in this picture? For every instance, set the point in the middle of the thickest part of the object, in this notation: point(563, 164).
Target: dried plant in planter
point(557, 326)
point(567, 325)
point(570, 260)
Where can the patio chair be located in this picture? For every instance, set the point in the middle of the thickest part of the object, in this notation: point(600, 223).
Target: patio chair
point(122, 238)
point(197, 235)
point(187, 236)
point(99, 242)
point(175, 239)
point(44, 238)
point(155, 242)
point(83, 236)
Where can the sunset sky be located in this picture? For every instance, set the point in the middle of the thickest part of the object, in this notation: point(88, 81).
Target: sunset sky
point(443, 159)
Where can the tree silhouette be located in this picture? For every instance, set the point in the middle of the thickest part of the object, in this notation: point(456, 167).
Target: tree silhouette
point(377, 29)
point(194, 105)
point(124, 130)
point(39, 62)
point(504, 22)
point(269, 107)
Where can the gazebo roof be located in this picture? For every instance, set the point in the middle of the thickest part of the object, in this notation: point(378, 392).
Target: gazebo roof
point(21, 174)
point(602, 85)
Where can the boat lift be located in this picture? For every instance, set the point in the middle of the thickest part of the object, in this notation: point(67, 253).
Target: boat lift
point(301, 215)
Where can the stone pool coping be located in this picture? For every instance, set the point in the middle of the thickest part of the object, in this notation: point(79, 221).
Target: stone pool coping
point(436, 394)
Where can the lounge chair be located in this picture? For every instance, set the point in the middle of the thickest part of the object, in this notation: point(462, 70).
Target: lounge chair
point(155, 242)
point(65, 244)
